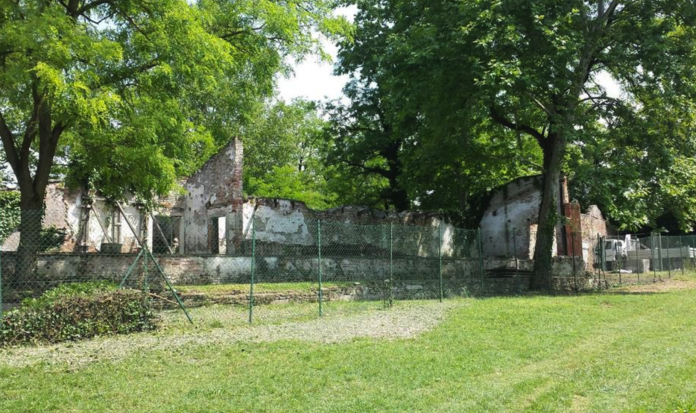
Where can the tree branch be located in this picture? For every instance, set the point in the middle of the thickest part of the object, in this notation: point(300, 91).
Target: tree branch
point(378, 171)
point(89, 6)
point(540, 104)
point(500, 119)
point(9, 144)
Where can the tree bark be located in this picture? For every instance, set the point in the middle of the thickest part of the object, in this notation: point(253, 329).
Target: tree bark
point(24, 276)
point(32, 188)
point(554, 150)
point(397, 195)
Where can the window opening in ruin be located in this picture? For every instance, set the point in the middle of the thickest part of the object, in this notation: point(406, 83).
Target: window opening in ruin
point(217, 242)
point(167, 235)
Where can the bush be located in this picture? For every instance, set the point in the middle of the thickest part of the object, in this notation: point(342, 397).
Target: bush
point(77, 311)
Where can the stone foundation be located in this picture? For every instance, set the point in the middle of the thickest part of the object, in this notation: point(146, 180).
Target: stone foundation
point(413, 278)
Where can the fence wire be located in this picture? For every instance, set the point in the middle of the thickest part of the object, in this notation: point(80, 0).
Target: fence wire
point(325, 268)
point(631, 259)
point(272, 274)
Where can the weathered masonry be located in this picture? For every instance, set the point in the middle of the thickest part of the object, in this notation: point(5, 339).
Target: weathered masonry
point(208, 218)
point(509, 224)
point(205, 218)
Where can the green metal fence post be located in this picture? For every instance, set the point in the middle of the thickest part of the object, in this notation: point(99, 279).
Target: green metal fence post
point(619, 252)
point(681, 254)
point(669, 262)
point(321, 292)
point(573, 236)
point(659, 253)
point(653, 254)
point(391, 251)
point(480, 251)
point(517, 264)
point(253, 266)
point(439, 255)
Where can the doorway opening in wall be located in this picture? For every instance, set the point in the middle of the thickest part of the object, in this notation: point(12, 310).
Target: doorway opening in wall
point(166, 234)
point(217, 242)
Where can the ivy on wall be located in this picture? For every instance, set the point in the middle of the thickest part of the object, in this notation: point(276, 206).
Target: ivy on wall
point(9, 213)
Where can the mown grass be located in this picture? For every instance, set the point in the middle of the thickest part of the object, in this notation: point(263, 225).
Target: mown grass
point(600, 352)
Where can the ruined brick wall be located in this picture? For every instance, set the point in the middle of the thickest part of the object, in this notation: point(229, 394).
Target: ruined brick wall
point(593, 224)
point(508, 226)
point(214, 192)
point(281, 222)
point(86, 229)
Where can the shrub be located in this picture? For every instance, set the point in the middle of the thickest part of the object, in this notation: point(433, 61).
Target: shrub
point(77, 311)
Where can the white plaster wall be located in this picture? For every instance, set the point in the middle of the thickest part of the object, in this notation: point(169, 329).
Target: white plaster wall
point(285, 224)
point(195, 220)
point(508, 226)
point(291, 224)
point(503, 220)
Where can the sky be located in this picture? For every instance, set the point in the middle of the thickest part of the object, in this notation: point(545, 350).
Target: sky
point(314, 80)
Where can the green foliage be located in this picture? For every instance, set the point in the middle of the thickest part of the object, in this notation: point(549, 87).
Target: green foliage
point(500, 89)
point(76, 311)
point(135, 94)
point(284, 155)
point(9, 213)
point(421, 137)
point(289, 183)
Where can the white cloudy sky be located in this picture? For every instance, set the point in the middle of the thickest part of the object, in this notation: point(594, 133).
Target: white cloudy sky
point(314, 79)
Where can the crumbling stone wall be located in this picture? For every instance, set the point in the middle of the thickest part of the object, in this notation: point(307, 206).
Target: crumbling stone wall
point(214, 192)
point(88, 222)
point(508, 226)
point(280, 223)
point(593, 225)
point(510, 223)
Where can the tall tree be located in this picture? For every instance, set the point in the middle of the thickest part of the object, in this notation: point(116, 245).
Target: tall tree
point(532, 67)
point(444, 160)
point(135, 92)
point(365, 142)
point(284, 154)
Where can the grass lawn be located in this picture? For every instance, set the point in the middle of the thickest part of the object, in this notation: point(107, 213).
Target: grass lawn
point(622, 351)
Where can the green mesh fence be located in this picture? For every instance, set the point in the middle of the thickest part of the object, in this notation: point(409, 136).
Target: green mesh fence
point(631, 259)
point(269, 274)
point(278, 270)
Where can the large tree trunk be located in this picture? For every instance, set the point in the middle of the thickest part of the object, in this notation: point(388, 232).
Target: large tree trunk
point(398, 197)
point(554, 151)
point(24, 277)
point(32, 186)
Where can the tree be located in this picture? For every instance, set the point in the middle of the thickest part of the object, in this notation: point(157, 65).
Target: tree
point(363, 140)
point(641, 168)
point(532, 67)
point(135, 93)
point(284, 155)
point(445, 160)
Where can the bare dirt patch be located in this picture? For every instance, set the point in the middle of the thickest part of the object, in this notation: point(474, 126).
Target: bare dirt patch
point(386, 324)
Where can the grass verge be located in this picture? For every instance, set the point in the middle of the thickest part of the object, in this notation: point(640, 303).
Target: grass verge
point(598, 352)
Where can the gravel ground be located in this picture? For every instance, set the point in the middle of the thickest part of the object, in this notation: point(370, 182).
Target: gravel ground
point(396, 323)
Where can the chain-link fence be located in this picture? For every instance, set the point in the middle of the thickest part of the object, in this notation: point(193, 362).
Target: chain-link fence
point(322, 268)
point(632, 259)
point(273, 271)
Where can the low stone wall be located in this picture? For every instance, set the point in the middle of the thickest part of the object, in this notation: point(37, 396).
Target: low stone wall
point(412, 277)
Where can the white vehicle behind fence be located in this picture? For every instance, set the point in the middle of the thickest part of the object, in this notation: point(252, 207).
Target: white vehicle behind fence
point(631, 250)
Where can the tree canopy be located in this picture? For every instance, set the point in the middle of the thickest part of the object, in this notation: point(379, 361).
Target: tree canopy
point(135, 93)
point(284, 155)
point(527, 73)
